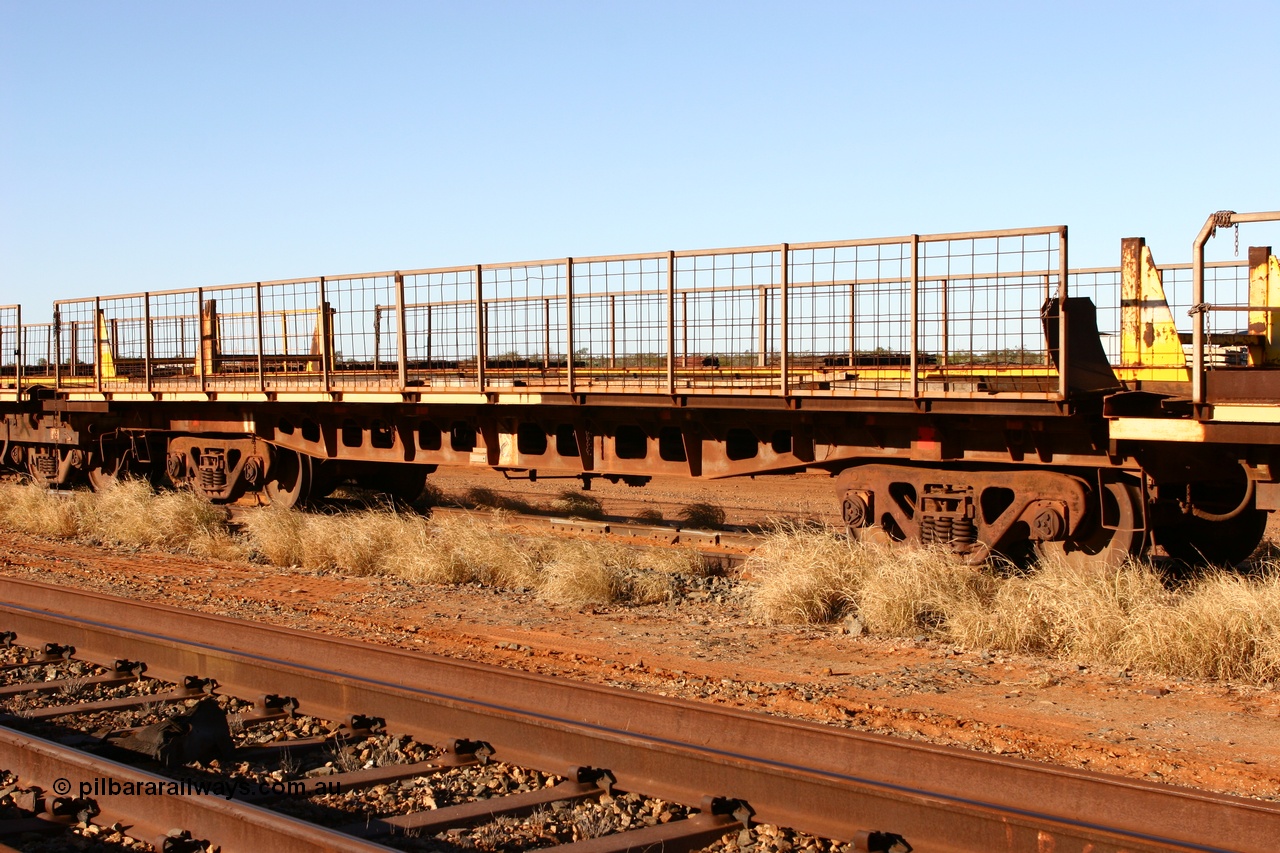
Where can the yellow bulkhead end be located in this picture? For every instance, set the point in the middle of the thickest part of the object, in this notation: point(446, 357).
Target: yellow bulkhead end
point(106, 347)
point(1264, 293)
point(1150, 349)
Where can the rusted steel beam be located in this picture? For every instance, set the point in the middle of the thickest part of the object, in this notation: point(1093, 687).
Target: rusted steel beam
point(829, 782)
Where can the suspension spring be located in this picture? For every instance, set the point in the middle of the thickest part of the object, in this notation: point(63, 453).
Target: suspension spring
point(47, 464)
point(964, 532)
point(213, 471)
point(942, 529)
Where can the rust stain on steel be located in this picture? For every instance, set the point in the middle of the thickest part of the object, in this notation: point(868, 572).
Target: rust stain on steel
point(1264, 297)
point(832, 783)
point(1148, 335)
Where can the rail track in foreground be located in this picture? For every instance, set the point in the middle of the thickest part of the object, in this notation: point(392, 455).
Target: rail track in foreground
point(725, 768)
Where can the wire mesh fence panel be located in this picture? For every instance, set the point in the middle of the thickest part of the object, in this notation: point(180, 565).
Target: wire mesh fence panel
point(526, 343)
point(175, 324)
point(849, 315)
point(980, 325)
point(1224, 285)
point(229, 330)
point(122, 339)
point(1102, 287)
point(726, 316)
point(76, 330)
point(295, 349)
point(440, 327)
point(966, 310)
point(37, 353)
point(10, 345)
point(363, 332)
point(1226, 291)
point(620, 322)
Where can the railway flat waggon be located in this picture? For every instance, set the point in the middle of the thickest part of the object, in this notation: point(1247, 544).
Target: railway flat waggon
point(967, 389)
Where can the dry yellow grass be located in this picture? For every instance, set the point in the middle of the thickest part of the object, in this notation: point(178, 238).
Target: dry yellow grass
point(702, 516)
point(1060, 609)
point(578, 504)
point(684, 560)
point(363, 542)
point(277, 535)
point(1216, 625)
point(907, 591)
point(1219, 625)
point(581, 573)
point(40, 512)
point(468, 549)
point(129, 514)
point(802, 576)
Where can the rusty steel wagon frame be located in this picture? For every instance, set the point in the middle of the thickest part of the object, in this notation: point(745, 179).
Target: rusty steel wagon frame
point(967, 388)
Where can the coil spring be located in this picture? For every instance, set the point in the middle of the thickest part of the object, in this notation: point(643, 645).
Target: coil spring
point(213, 472)
point(47, 465)
point(964, 532)
point(942, 529)
point(927, 528)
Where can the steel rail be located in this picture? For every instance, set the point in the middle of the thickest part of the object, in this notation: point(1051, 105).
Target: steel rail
point(237, 826)
point(830, 782)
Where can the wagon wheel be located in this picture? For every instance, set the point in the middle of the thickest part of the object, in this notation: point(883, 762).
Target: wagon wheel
point(1110, 534)
point(1219, 541)
point(108, 466)
point(290, 483)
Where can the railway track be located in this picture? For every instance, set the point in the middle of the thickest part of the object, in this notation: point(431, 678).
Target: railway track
point(720, 768)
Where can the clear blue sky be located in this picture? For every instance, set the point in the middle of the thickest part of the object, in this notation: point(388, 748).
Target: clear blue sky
point(173, 144)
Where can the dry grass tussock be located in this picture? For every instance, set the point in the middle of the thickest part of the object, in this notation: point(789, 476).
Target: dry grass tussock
point(702, 516)
point(39, 512)
point(816, 575)
point(459, 549)
point(581, 573)
point(467, 549)
point(578, 504)
point(455, 549)
point(1217, 625)
point(1221, 626)
point(484, 498)
point(358, 542)
point(129, 514)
